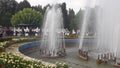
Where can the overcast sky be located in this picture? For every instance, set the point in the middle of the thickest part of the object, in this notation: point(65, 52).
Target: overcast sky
point(75, 4)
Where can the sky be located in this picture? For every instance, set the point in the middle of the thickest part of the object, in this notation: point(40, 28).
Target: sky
point(74, 4)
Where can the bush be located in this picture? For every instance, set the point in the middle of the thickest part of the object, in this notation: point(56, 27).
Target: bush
point(3, 45)
point(61, 65)
point(5, 39)
point(9, 60)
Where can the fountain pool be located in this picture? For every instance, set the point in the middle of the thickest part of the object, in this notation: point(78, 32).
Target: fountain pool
point(32, 50)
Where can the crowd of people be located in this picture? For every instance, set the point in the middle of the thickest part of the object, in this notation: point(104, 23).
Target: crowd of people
point(19, 31)
point(5, 31)
point(26, 31)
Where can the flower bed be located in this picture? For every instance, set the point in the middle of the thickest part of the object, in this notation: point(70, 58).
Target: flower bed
point(7, 43)
point(3, 45)
point(9, 60)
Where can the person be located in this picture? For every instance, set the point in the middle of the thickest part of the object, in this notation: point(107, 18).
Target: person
point(0, 34)
point(4, 31)
point(9, 32)
point(16, 33)
point(1, 31)
point(23, 32)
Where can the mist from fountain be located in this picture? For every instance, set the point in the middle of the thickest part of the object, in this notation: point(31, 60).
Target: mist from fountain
point(52, 44)
point(85, 21)
point(108, 27)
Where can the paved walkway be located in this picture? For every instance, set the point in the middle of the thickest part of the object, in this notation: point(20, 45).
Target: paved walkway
point(14, 49)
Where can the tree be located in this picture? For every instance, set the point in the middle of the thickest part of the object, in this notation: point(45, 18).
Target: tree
point(45, 7)
point(27, 16)
point(71, 16)
point(22, 5)
point(5, 20)
point(65, 15)
point(7, 9)
point(8, 6)
point(78, 20)
point(38, 8)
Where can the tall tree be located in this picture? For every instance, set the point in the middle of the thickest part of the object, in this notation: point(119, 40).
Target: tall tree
point(8, 6)
point(7, 9)
point(71, 17)
point(45, 7)
point(79, 19)
point(38, 8)
point(22, 5)
point(5, 20)
point(65, 15)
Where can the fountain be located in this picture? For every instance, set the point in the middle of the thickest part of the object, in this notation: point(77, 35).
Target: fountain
point(52, 44)
point(83, 51)
point(108, 31)
point(106, 41)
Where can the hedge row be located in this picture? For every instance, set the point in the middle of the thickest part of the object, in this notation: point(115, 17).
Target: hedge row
point(2, 39)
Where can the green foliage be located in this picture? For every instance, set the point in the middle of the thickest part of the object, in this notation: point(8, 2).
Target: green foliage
point(33, 16)
point(61, 65)
point(3, 45)
point(38, 8)
point(65, 15)
point(9, 60)
point(22, 5)
point(7, 41)
point(8, 6)
point(27, 16)
point(78, 19)
point(45, 7)
point(7, 9)
point(5, 20)
point(71, 17)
